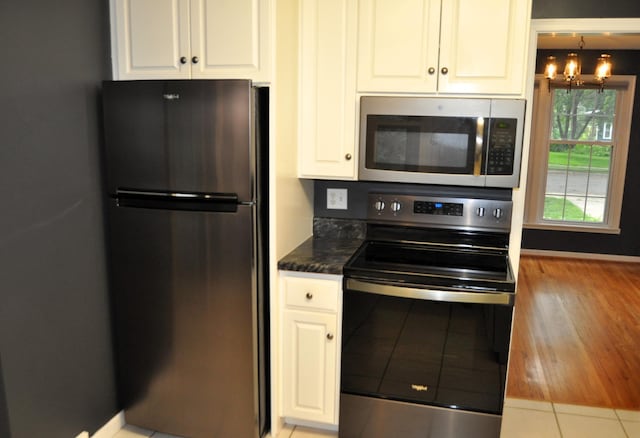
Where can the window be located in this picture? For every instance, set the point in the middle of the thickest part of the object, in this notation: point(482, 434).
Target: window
point(578, 156)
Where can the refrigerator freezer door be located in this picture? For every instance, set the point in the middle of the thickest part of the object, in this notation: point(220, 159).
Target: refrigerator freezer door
point(185, 302)
point(180, 136)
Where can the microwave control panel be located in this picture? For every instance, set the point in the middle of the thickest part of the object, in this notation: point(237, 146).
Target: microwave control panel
point(501, 148)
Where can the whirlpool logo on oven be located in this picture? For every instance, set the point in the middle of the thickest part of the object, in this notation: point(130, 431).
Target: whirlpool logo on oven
point(419, 388)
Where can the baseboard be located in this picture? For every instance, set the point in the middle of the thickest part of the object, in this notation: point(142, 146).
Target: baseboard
point(111, 428)
point(580, 255)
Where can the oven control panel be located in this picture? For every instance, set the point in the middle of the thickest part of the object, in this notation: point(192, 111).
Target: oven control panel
point(444, 212)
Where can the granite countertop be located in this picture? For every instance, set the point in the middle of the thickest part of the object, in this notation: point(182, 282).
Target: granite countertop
point(320, 254)
point(333, 243)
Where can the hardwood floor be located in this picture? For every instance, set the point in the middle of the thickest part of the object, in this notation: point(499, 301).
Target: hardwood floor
point(576, 334)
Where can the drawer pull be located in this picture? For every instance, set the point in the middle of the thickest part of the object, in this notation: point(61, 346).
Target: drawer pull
point(309, 295)
point(330, 336)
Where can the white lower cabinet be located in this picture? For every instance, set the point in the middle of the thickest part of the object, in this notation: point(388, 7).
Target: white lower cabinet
point(310, 347)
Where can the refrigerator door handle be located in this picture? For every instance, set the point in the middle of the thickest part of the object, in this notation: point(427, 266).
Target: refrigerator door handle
point(216, 202)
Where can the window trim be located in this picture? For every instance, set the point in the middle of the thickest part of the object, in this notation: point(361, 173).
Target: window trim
point(538, 158)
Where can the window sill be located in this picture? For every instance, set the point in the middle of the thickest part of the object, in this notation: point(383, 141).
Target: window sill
point(598, 229)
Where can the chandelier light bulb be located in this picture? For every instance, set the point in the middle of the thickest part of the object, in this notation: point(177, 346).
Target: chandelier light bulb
point(551, 68)
point(603, 68)
point(572, 67)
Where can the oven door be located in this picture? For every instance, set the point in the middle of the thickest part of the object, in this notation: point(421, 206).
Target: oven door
point(421, 357)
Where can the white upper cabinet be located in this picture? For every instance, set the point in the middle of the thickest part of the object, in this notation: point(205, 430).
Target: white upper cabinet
point(327, 89)
point(183, 39)
point(445, 46)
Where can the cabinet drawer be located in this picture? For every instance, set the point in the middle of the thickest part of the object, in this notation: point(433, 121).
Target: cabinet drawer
point(311, 293)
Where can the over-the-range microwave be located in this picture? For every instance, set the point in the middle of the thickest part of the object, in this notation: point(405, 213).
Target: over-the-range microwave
point(433, 140)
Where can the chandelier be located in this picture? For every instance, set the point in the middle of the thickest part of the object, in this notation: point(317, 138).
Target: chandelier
point(571, 76)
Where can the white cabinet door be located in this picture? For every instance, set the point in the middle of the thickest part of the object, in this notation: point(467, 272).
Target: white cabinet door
point(309, 369)
point(483, 46)
point(327, 100)
point(230, 39)
point(398, 45)
point(150, 38)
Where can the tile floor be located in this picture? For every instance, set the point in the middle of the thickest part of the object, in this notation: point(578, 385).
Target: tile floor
point(521, 419)
point(129, 431)
point(527, 418)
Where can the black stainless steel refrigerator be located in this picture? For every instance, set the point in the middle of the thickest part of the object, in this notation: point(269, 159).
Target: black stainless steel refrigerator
point(187, 275)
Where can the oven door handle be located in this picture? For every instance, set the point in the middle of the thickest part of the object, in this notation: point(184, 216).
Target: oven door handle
point(452, 296)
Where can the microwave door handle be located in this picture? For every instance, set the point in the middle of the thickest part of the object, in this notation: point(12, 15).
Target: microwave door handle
point(477, 160)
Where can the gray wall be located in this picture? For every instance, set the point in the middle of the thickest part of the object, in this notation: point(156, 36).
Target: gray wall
point(55, 348)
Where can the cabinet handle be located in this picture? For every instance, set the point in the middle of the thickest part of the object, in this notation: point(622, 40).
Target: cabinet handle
point(309, 295)
point(183, 60)
point(330, 336)
point(347, 157)
point(431, 70)
point(195, 60)
point(444, 70)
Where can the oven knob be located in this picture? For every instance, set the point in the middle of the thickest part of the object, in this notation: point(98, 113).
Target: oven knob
point(480, 211)
point(497, 213)
point(396, 206)
point(379, 205)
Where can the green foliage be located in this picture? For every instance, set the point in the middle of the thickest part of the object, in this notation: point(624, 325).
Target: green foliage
point(557, 208)
point(582, 157)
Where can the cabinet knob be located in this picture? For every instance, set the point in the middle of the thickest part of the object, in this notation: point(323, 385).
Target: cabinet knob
point(347, 157)
point(309, 295)
point(183, 60)
point(195, 60)
point(444, 70)
point(431, 70)
point(330, 336)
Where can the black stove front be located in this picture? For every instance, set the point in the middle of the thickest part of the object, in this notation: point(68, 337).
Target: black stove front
point(426, 326)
